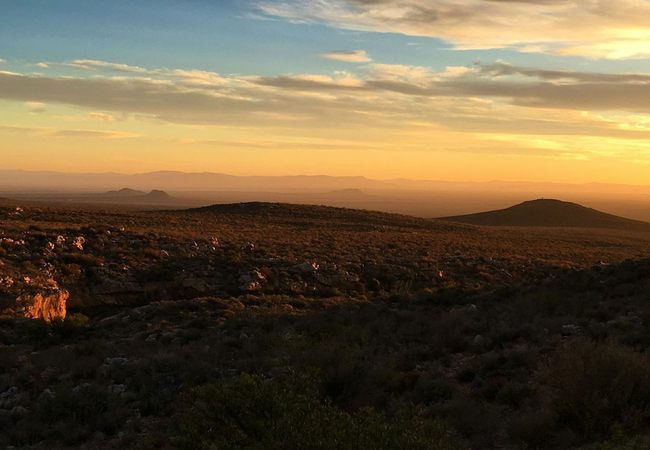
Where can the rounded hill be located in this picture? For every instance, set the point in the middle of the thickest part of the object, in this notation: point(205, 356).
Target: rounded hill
point(551, 213)
point(298, 213)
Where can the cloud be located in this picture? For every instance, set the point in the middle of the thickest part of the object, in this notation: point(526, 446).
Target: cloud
point(329, 144)
point(36, 107)
point(2, 60)
point(353, 56)
point(520, 86)
point(191, 77)
point(94, 134)
point(102, 116)
point(54, 133)
point(130, 95)
point(592, 28)
point(233, 99)
point(501, 68)
point(406, 105)
point(309, 83)
point(92, 64)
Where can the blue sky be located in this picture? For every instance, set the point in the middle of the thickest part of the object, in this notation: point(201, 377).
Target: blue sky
point(224, 36)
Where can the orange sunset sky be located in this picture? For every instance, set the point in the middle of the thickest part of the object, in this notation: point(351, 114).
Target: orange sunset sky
point(532, 90)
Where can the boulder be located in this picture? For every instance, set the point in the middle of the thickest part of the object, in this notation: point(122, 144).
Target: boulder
point(251, 281)
point(305, 267)
point(198, 284)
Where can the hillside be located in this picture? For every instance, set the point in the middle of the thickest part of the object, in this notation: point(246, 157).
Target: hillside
point(550, 213)
point(334, 319)
point(323, 215)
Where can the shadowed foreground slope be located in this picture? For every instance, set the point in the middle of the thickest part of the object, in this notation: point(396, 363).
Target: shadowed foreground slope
point(271, 326)
point(551, 213)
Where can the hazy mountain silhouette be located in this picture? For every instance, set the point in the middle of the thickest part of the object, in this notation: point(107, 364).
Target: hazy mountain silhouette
point(348, 193)
point(550, 213)
point(125, 192)
point(128, 196)
point(157, 195)
point(24, 180)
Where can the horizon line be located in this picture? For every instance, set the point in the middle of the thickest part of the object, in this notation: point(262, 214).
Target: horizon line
point(326, 176)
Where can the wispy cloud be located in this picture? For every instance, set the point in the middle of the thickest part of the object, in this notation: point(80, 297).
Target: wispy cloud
point(94, 134)
point(64, 133)
point(36, 107)
point(352, 56)
point(102, 116)
point(592, 28)
point(199, 77)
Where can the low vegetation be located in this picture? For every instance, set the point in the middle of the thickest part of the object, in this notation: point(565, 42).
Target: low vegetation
point(272, 326)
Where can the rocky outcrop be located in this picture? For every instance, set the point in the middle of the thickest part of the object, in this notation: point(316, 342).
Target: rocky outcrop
point(305, 267)
point(47, 305)
point(197, 284)
point(340, 278)
point(251, 281)
point(120, 291)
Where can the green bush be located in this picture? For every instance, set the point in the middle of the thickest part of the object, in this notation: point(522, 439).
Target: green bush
point(288, 412)
point(76, 320)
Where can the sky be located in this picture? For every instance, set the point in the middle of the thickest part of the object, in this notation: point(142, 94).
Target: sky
point(473, 90)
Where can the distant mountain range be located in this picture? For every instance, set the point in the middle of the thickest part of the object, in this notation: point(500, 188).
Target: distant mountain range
point(21, 180)
point(550, 213)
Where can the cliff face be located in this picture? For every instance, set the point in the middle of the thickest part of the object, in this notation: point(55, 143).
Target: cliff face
point(46, 305)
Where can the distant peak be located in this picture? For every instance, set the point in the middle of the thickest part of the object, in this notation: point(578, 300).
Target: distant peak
point(124, 192)
point(157, 193)
point(551, 213)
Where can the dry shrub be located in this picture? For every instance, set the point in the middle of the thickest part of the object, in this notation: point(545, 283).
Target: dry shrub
point(597, 387)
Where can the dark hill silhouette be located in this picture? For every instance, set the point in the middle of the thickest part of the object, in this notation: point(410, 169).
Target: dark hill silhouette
point(324, 215)
point(125, 192)
point(551, 213)
point(157, 194)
